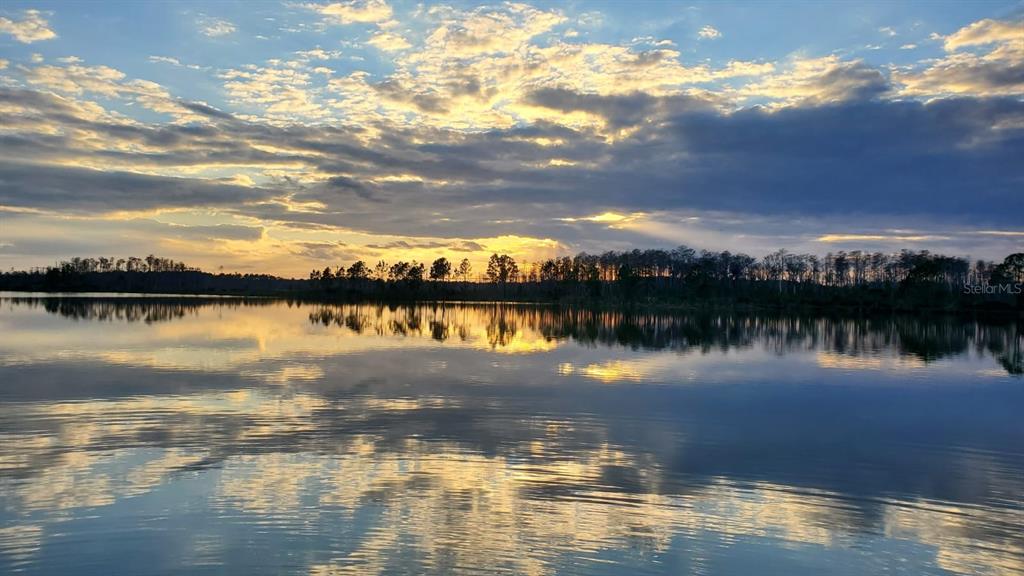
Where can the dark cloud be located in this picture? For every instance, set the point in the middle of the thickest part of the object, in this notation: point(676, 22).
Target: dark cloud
point(465, 246)
point(407, 245)
point(457, 246)
point(848, 81)
point(619, 111)
point(324, 250)
point(397, 92)
point(220, 232)
point(955, 161)
point(976, 75)
point(69, 189)
point(347, 184)
point(205, 110)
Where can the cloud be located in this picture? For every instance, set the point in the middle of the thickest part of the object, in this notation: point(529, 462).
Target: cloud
point(709, 32)
point(326, 251)
point(279, 90)
point(406, 245)
point(453, 246)
point(550, 145)
point(215, 27)
point(389, 42)
point(73, 78)
point(175, 62)
point(489, 30)
point(986, 31)
point(817, 81)
point(347, 184)
point(854, 155)
point(214, 232)
point(318, 54)
point(33, 27)
point(997, 72)
point(476, 70)
point(1010, 233)
point(612, 219)
point(872, 238)
point(618, 111)
point(70, 190)
point(353, 12)
point(206, 110)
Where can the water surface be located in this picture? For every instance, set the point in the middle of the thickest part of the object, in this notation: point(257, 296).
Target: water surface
point(194, 436)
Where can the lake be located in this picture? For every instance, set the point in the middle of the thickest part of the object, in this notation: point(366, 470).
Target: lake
point(219, 436)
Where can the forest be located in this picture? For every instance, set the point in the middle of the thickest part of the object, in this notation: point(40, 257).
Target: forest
point(907, 280)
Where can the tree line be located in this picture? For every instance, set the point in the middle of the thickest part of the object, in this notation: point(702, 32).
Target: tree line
point(149, 263)
point(906, 280)
point(840, 269)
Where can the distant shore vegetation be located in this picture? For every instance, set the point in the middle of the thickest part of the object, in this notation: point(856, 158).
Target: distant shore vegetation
point(907, 280)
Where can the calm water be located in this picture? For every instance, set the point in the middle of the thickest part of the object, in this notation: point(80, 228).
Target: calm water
point(190, 436)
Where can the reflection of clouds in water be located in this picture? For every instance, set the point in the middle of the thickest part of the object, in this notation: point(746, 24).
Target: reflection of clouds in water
point(474, 510)
point(454, 454)
point(20, 542)
point(519, 509)
point(610, 371)
point(959, 536)
point(295, 373)
point(827, 359)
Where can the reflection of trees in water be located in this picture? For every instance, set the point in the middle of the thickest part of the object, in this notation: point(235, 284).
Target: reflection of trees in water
point(1008, 351)
point(503, 325)
point(116, 309)
point(926, 339)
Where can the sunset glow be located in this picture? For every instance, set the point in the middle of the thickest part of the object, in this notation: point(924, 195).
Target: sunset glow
point(281, 137)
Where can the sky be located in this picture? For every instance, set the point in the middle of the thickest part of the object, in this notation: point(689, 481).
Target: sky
point(284, 136)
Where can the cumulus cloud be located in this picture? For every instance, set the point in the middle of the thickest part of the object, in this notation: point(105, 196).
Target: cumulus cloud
point(74, 78)
point(279, 90)
point(997, 71)
point(518, 139)
point(353, 11)
point(318, 54)
point(817, 81)
point(215, 27)
point(389, 42)
point(986, 31)
point(32, 27)
point(708, 32)
point(477, 69)
point(489, 30)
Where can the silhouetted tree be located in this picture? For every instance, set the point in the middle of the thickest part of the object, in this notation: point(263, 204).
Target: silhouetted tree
point(441, 269)
point(464, 269)
point(502, 269)
point(398, 271)
point(1012, 268)
point(358, 271)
